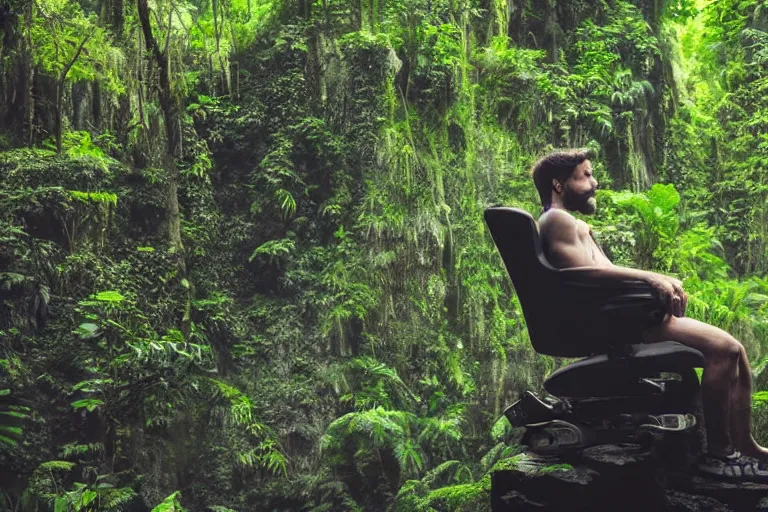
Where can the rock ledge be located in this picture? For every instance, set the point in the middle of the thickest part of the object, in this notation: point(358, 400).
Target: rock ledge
point(614, 477)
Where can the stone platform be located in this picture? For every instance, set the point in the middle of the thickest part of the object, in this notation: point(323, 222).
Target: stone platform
point(614, 478)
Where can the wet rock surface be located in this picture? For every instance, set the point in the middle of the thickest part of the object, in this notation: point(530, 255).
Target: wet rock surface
point(615, 477)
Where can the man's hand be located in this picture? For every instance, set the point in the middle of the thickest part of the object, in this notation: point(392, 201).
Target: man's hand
point(679, 294)
point(672, 290)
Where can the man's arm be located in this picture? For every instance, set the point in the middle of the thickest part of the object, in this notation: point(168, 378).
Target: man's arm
point(560, 231)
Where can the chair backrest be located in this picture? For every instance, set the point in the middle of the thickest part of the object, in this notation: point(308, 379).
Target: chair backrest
point(569, 314)
point(516, 235)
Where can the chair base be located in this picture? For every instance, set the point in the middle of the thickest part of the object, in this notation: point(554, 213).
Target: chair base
point(623, 373)
point(558, 426)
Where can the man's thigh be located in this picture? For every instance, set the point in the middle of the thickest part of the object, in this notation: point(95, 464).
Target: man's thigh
point(706, 338)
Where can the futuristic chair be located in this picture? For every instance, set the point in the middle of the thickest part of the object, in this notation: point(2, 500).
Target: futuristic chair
point(621, 391)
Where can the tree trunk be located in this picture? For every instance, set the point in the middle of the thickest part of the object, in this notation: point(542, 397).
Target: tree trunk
point(217, 29)
point(60, 89)
point(117, 19)
point(172, 117)
point(96, 106)
point(27, 81)
point(57, 112)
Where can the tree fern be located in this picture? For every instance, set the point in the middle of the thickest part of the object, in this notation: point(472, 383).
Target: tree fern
point(380, 426)
point(372, 384)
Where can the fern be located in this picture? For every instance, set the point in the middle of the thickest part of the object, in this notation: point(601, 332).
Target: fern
point(274, 249)
point(107, 198)
point(170, 504)
point(759, 399)
point(10, 279)
point(409, 457)
point(287, 202)
point(87, 403)
point(70, 450)
point(10, 417)
point(337, 491)
point(382, 427)
point(432, 476)
point(373, 384)
point(57, 465)
point(117, 499)
point(267, 453)
point(241, 407)
point(443, 433)
point(501, 428)
point(499, 451)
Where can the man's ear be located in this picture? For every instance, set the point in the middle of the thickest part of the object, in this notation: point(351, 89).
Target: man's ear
point(556, 185)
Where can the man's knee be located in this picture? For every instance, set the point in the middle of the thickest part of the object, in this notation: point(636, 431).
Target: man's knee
point(727, 351)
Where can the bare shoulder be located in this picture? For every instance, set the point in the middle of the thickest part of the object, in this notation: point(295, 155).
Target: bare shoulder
point(557, 224)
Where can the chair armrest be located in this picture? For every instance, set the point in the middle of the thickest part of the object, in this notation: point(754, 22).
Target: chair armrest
point(616, 305)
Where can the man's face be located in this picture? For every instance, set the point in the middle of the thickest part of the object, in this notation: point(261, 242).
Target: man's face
point(579, 189)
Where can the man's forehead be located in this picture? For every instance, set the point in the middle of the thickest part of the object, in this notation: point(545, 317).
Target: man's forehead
point(585, 166)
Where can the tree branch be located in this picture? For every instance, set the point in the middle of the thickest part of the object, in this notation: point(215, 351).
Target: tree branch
point(146, 27)
point(66, 69)
point(168, 35)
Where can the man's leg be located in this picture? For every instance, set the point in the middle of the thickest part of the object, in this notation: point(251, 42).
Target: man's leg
point(721, 354)
point(740, 419)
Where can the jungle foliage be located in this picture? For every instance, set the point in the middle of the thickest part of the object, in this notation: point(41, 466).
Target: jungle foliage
point(243, 264)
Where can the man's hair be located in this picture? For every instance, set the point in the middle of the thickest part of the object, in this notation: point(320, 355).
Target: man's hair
point(557, 164)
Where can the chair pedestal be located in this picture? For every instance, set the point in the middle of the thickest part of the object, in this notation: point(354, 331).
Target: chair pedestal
point(650, 392)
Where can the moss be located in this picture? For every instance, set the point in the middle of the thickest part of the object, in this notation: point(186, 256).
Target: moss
point(556, 467)
point(508, 464)
point(465, 497)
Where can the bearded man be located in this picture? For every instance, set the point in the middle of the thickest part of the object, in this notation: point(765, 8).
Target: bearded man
point(565, 182)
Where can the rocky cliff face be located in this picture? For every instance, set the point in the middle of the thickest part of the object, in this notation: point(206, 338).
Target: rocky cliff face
point(615, 477)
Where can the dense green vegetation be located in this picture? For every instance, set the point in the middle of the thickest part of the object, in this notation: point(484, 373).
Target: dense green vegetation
point(243, 264)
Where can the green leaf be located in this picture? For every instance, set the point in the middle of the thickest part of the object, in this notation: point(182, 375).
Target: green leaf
point(61, 504)
point(10, 430)
point(500, 428)
point(170, 504)
point(87, 403)
point(108, 296)
point(87, 331)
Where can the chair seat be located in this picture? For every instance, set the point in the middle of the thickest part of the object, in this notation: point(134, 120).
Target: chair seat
point(603, 375)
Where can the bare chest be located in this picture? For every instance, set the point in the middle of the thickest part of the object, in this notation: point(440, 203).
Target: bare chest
point(589, 245)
